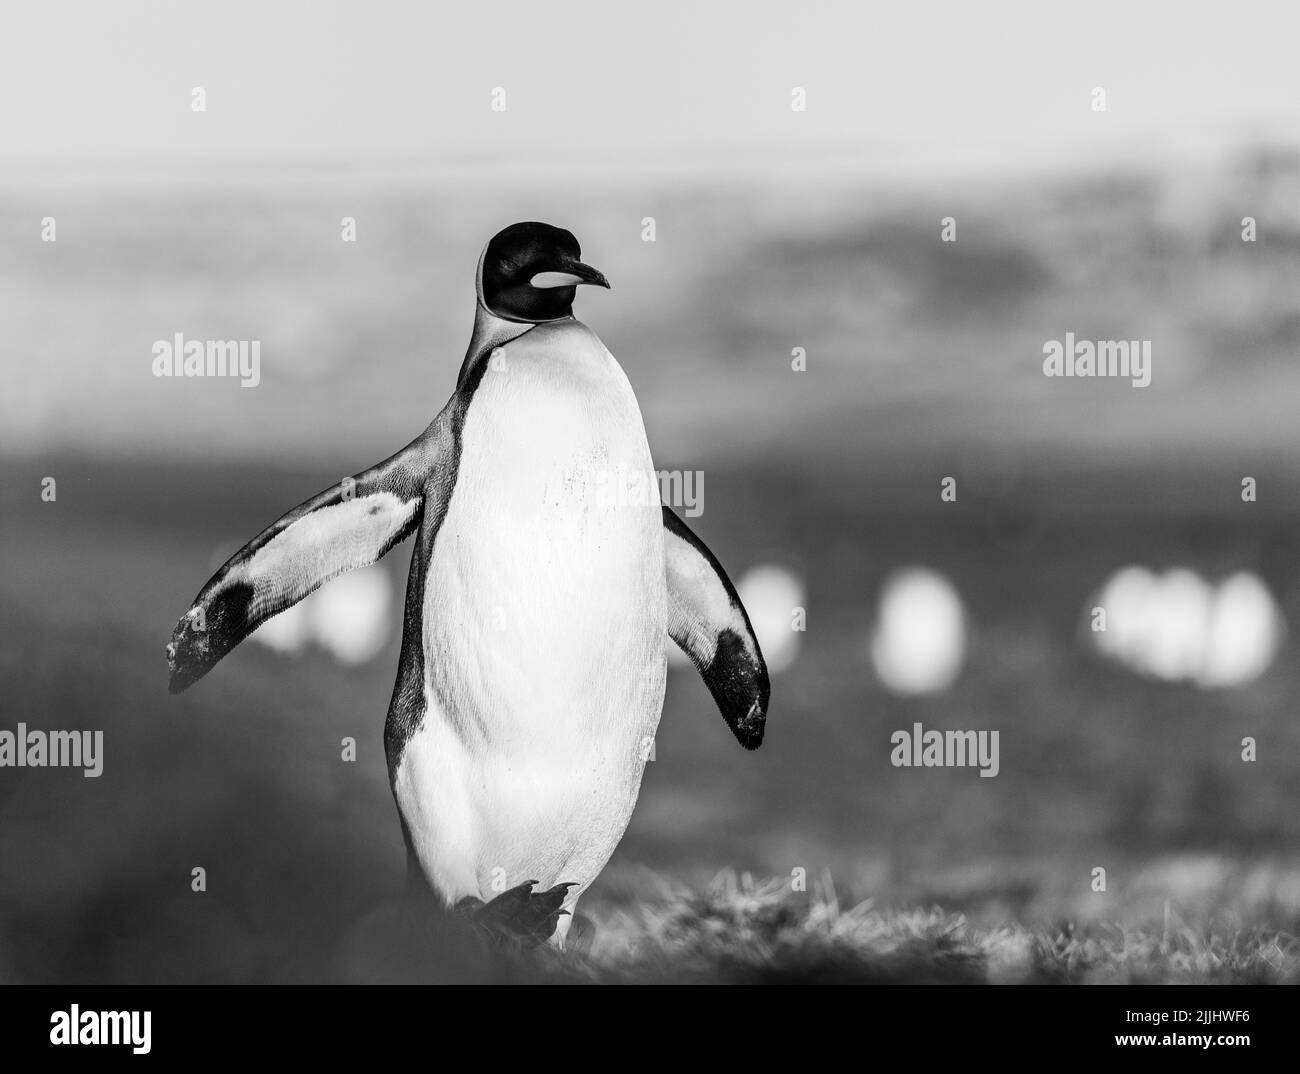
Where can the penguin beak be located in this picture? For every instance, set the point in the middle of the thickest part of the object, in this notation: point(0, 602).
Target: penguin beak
point(569, 273)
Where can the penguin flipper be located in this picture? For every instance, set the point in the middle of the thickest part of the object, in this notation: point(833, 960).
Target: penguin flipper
point(707, 620)
point(347, 526)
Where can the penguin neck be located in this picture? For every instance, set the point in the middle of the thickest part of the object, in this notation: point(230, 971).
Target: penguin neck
point(490, 332)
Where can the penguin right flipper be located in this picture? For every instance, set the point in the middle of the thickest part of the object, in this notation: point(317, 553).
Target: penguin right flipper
point(708, 621)
point(347, 526)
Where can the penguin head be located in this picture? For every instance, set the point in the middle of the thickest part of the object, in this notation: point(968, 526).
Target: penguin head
point(530, 272)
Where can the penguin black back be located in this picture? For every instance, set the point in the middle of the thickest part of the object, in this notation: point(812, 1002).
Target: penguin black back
point(531, 271)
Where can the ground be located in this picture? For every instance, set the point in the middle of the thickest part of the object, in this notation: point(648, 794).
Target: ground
point(735, 929)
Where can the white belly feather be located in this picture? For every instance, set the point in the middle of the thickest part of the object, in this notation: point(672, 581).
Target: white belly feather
point(544, 628)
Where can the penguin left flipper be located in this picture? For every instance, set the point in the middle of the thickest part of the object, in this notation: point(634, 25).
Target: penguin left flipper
point(347, 526)
point(708, 621)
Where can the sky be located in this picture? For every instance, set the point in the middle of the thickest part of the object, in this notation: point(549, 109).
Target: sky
point(665, 82)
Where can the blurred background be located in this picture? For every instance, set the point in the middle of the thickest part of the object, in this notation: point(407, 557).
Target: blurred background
point(775, 229)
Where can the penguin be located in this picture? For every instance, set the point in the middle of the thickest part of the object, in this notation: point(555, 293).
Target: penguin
point(540, 599)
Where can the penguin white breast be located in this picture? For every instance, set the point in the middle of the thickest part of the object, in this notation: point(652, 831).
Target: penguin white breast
point(544, 626)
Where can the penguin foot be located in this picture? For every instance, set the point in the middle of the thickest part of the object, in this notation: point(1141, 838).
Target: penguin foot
point(520, 916)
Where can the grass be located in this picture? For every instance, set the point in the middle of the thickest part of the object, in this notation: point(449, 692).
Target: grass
point(739, 930)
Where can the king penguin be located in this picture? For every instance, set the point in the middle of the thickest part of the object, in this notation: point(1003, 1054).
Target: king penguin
point(542, 592)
